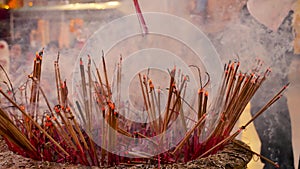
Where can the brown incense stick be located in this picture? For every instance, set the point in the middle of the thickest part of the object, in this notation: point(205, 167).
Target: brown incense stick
point(90, 84)
point(34, 122)
point(57, 78)
point(85, 97)
point(106, 76)
point(188, 134)
point(172, 75)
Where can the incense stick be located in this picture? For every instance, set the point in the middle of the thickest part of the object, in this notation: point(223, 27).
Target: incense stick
point(140, 17)
point(66, 136)
point(34, 122)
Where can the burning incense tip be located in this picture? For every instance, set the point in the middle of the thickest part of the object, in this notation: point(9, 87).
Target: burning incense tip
point(57, 58)
point(111, 105)
point(102, 53)
point(158, 90)
point(185, 78)
point(232, 66)
point(89, 60)
point(121, 57)
point(200, 90)
point(287, 85)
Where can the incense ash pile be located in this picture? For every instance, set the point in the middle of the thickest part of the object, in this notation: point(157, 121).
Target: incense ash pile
point(94, 131)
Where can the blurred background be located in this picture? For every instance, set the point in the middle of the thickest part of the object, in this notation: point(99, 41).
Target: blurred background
point(249, 29)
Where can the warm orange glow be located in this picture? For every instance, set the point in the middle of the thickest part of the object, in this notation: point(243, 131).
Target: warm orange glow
point(76, 24)
point(4, 6)
point(30, 4)
point(15, 3)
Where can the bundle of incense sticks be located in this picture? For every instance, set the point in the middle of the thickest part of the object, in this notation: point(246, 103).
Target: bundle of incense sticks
point(58, 136)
